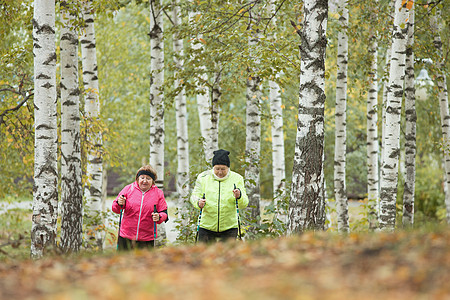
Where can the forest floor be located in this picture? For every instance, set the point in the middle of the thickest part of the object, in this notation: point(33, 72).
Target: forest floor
point(406, 264)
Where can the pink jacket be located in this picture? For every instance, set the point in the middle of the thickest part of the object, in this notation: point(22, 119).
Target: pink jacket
point(137, 221)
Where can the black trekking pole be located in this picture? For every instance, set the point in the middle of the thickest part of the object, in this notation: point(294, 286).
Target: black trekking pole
point(239, 219)
point(198, 222)
point(155, 231)
point(120, 223)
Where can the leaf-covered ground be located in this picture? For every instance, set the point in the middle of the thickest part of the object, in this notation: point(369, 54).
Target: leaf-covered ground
point(402, 265)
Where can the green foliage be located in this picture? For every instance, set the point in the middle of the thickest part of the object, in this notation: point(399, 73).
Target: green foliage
point(15, 227)
point(429, 194)
point(222, 28)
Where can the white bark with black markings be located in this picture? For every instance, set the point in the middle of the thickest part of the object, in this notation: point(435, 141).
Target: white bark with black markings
point(276, 114)
point(340, 148)
point(441, 81)
point(391, 142)
point(157, 129)
point(307, 206)
point(71, 186)
point(372, 126)
point(45, 191)
point(410, 131)
point(253, 128)
point(94, 168)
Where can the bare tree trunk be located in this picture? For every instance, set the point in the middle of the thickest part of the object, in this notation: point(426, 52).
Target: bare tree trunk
point(45, 191)
point(410, 133)
point(157, 132)
point(278, 162)
point(253, 132)
point(391, 144)
point(93, 190)
point(182, 125)
point(340, 190)
point(216, 95)
point(443, 100)
point(71, 185)
point(372, 126)
point(384, 80)
point(306, 206)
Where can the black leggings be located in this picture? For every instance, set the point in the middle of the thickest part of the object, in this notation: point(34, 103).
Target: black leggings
point(208, 236)
point(126, 244)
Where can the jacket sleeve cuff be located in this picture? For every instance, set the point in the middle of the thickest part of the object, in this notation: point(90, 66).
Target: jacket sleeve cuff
point(163, 216)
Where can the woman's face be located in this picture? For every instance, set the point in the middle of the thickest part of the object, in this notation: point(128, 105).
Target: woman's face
point(145, 182)
point(220, 171)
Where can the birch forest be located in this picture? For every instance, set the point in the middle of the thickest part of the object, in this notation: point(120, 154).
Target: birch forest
point(335, 113)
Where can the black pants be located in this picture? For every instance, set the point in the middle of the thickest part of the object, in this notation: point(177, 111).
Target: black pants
point(126, 244)
point(208, 236)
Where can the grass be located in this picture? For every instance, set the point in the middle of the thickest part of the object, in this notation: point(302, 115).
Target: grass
point(15, 234)
point(15, 226)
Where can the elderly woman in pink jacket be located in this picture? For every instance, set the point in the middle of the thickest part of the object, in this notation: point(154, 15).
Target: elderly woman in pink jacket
point(137, 201)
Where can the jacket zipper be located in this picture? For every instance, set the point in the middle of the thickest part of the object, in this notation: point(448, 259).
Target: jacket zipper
point(218, 211)
point(139, 220)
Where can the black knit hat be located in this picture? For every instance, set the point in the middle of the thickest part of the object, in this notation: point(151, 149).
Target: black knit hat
point(221, 158)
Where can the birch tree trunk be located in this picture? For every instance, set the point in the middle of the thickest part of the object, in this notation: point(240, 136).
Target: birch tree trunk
point(94, 169)
point(306, 206)
point(385, 81)
point(45, 190)
point(181, 116)
point(278, 163)
point(372, 127)
point(157, 99)
point(340, 190)
point(410, 133)
point(71, 185)
point(156, 91)
point(216, 95)
point(391, 144)
point(203, 94)
point(253, 132)
point(441, 81)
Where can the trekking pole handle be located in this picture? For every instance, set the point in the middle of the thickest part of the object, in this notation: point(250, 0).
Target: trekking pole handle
point(154, 210)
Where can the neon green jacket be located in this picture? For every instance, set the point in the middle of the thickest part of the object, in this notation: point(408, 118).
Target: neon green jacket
point(219, 213)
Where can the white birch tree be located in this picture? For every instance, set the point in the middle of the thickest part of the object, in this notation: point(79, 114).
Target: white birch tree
point(253, 126)
point(410, 131)
point(391, 142)
point(372, 125)
point(203, 92)
point(71, 185)
point(441, 82)
point(45, 191)
point(157, 132)
point(181, 116)
point(216, 94)
point(276, 113)
point(306, 205)
point(94, 168)
point(157, 90)
point(385, 81)
point(340, 190)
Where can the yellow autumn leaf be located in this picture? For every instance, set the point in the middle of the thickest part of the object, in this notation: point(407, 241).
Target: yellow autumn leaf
point(283, 106)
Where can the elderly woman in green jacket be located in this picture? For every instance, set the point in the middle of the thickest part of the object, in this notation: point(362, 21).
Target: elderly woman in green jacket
point(215, 193)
